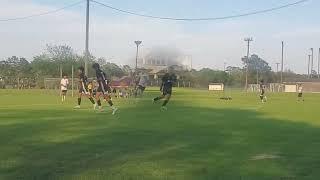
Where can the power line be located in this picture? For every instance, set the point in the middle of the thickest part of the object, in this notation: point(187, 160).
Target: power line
point(42, 14)
point(201, 19)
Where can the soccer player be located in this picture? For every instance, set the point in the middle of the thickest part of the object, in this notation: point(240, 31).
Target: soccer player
point(103, 89)
point(142, 84)
point(90, 88)
point(64, 88)
point(166, 88)
point(83, 88)
point(300, 91)
point(263, 97)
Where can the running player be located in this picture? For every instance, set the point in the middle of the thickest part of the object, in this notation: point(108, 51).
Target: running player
point(300, 93)
point(103, 89)
point(90, 88)
point(166, 88)
point(142, 84)
point(83, 88)
point(263, 98)
point(64, 88)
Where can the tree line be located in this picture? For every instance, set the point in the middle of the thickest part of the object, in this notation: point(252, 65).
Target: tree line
point(58, 60)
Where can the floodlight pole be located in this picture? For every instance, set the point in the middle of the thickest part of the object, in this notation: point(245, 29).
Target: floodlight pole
point(309, 66)
point(248, 40)
point(311, 69)
point(137, 54)
point(87, 38)
point(282, 57)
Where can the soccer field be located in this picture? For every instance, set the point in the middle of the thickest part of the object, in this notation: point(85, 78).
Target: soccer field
point(200, 137)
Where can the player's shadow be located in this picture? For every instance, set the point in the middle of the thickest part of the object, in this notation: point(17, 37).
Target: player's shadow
point(184, 143)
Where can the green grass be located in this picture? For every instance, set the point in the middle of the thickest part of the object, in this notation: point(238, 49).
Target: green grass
point(200, 137)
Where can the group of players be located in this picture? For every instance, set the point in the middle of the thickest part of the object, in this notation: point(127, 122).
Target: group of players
point(263, 96)
point(103, 90)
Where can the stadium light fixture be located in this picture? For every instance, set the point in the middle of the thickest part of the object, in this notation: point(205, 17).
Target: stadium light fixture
point(137, 54)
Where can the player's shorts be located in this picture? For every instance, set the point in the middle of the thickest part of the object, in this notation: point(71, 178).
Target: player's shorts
point(104, 88)
point(300, 95)
point(141, 88)
point(90, 91)
point(64, 91)
point(167, 91)
point(262, 92)
point(82, 90)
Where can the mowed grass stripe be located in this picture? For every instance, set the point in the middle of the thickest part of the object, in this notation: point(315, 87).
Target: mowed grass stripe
point(199, 137)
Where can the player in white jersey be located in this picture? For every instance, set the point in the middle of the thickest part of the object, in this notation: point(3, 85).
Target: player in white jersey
point(64, 88)
point(300, 93)
point(142, 84)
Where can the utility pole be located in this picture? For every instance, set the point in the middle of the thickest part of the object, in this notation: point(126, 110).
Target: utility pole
point(248, 40)
point(311, 69)
point(277, 75)
point(319, 64)
point(87, 53)
point(277, 67)
point(257, 76)
point(72, 81)
point(309, 66)
point(60, 70)
point(282, 54)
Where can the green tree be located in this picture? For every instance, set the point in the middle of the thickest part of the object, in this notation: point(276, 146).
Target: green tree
point(113, 70)
point(257, 69)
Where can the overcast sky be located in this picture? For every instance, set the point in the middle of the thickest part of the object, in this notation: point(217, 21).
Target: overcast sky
point(211, 43)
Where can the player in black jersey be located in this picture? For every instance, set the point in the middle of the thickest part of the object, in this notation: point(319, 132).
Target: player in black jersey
point(166, 88)
point(103, 89)
point(83, 88)
point(263, 97)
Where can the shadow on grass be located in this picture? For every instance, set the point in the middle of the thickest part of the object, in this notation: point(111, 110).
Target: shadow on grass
point(143, 143)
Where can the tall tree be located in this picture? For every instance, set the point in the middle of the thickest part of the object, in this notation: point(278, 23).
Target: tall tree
point(258, 69)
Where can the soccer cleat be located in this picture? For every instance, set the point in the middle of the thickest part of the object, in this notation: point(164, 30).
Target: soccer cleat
point(164, 108)
point(114, 110)
point(77, 107)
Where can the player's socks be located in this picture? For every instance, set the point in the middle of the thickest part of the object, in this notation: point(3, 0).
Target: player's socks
point(165, 102)
point(261, 97)
point(91, 100)
point(99, 103)
point(110, 103)
point(79, 101)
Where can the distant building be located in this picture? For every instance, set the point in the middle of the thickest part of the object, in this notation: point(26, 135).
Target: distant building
point(160, 63)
